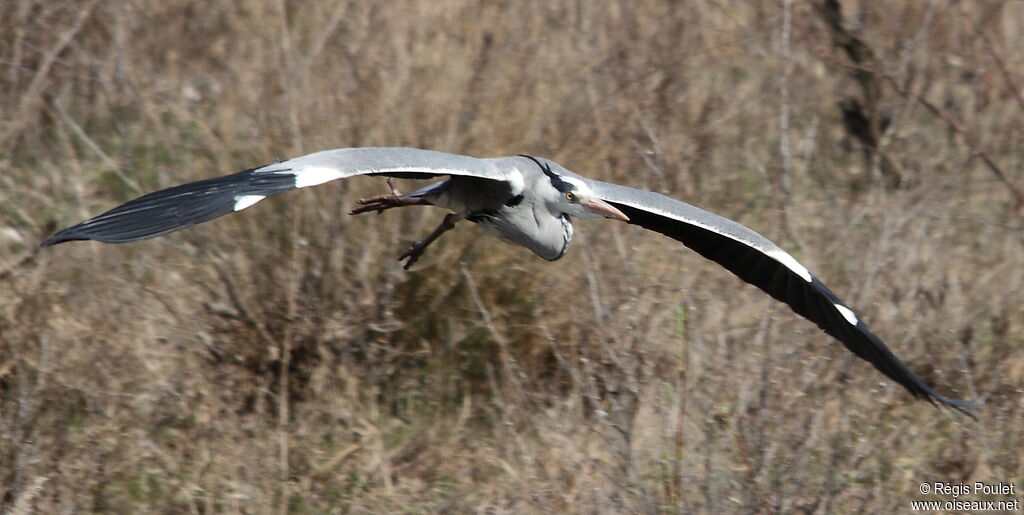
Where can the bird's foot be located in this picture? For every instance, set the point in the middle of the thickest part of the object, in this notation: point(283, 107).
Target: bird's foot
point(383, 202)
point(416, 249)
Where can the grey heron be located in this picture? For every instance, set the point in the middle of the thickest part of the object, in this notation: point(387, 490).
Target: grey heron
point(523, 200)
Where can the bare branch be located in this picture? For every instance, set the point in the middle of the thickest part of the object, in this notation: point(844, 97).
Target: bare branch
point(1015, 190)
point(1011, 84)
point(32, 93)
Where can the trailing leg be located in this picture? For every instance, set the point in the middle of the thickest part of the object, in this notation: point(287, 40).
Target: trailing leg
point(417, 248)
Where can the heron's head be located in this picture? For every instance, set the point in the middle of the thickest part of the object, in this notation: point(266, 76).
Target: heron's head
point(572, 196)
point(577, 199)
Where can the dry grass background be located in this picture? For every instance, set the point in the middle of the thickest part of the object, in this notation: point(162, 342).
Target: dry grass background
point(281, 361)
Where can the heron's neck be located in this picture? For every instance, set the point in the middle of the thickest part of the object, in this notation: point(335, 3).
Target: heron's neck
point(549, 238)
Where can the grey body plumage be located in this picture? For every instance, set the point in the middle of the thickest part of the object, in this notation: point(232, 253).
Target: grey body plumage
point(510, 215)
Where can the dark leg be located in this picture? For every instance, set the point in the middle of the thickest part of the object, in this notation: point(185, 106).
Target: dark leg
point(382, 202)
point(417, 248)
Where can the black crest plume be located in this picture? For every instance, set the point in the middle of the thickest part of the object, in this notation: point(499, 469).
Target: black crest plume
point(556, 180)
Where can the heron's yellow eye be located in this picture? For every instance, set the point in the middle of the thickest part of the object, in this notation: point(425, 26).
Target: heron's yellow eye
point(570, 196)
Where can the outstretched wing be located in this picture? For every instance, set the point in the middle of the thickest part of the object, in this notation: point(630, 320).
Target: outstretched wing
point(182, 206)
point(758, 261)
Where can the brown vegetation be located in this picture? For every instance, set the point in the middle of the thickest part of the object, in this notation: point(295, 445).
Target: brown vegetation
point(281, 360)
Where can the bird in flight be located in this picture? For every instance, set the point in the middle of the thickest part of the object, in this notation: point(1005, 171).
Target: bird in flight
point(523, 200)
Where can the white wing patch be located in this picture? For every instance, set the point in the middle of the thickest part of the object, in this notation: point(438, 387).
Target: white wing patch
point(849, 315)
point(791, 263)
point(244, 201)
point(313, 175)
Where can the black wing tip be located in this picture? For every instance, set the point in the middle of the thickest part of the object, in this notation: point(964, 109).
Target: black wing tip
point(68, 234)
point(75, 236)
point(107, 234)
point(82, 232)
point(962, 406)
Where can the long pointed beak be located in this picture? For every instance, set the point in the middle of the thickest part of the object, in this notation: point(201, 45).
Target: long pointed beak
point(605, 209)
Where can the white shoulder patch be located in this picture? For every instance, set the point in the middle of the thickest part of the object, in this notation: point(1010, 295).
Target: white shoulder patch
point(313, 175)
point(515, 183)
point(849, 315)
point(244, 201)
point(790, 262)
